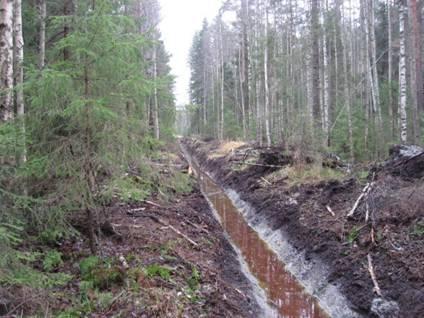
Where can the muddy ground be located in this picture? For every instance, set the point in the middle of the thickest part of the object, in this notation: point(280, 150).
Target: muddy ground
point(157, 259)
point(312, 208)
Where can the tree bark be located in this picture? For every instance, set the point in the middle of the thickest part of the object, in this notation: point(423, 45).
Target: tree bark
point(266, 81)
point(346, 86)
point(315, 63)
point(19, 76)
point(402, 74)
point(376, 84)
point(326, 87)
point(417, 88)
point(245, 60)
point(221, 48)
point(42, 13)
point(392, 111)
point(155, 96)
point(66, 13)
point(242, 93)
point(6, 60)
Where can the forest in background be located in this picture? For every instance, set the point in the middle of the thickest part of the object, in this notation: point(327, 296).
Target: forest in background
point(319, 74)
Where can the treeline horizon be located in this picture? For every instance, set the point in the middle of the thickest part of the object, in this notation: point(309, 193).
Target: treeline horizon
point(320, 74)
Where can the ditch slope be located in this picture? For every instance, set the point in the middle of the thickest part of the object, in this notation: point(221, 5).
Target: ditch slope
point(156, 258)
point(376, 256)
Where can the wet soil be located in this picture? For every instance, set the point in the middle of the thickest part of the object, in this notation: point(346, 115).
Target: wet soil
point(313, 215)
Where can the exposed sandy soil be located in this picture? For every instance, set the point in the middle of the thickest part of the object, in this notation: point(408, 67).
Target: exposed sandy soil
point(143, 235)
point(393, 235)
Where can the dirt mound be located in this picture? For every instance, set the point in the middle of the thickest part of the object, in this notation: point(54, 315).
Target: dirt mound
point(406, 162)
point(387, 223)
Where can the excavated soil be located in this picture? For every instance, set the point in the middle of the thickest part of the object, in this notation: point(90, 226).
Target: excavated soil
point(144, 234)
point(314, 215)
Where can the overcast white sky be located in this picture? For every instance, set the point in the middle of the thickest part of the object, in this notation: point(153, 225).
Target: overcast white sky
point(180, 20)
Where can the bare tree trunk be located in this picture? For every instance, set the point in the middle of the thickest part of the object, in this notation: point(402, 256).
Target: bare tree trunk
point(315, 76)
point(19, 57)
point(417, 88)
point(392, 111)
point(371, 18)
point(258, 109)
point(214, 107)
point(237, 107)
point(19, 76)
point(290, 99)
point(88, 167)
point(346, 87)
point(245, 61)
point(6, 60)
point(310, 92)
point(337, 34)
point(205, 97)
point(402, 74)
point(257, 80)
point(266, 84)
point(242, 93)
point(326, 87)
point(221, 128)
point(42, 13)
point(66, 12)
point(155, 96)
point(371, 99)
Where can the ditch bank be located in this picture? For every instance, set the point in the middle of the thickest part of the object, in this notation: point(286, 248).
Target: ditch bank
point(157, 258)
point(366, 265)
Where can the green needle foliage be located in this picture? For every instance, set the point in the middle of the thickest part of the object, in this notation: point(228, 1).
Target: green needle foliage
point(88, 121)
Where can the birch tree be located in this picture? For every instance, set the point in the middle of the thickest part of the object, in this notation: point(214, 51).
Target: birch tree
point(6, 60)
point(402, 73)
point(318, 68)
point(19, 76)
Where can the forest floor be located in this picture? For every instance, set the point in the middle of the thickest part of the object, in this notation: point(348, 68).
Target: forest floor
point(156, 259)
point(309, 200)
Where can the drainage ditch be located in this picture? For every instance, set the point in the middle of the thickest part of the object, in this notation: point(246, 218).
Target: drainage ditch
point(286, 286)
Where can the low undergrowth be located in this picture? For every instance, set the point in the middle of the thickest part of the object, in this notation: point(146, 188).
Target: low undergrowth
point(32, 240)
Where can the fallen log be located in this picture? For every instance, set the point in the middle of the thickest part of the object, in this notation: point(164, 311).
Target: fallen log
point(330, 210)
point(167, 225)
point(257, 164)
point(182, 235)
point(152, 203)
point(364, 193)
point(373, 277)
point(266, 181)
point(136, 210)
